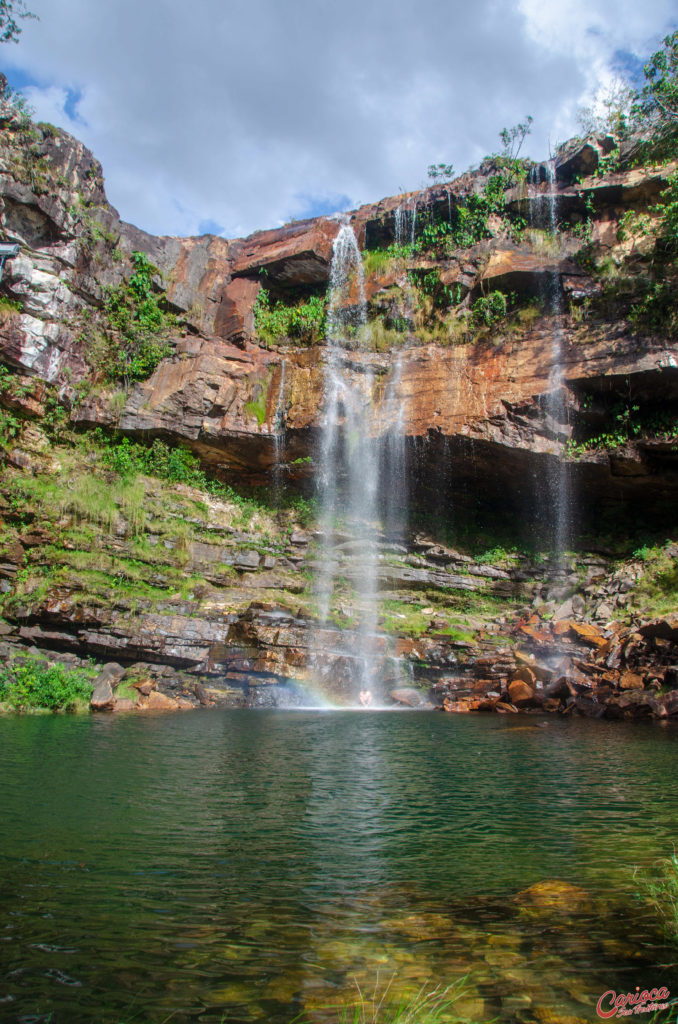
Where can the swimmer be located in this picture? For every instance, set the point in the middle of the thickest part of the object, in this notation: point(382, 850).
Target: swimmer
point(365, 698)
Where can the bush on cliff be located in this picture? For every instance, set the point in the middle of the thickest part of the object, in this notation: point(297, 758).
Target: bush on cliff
point(137, 327)
point(30, 682)
point(304, 321)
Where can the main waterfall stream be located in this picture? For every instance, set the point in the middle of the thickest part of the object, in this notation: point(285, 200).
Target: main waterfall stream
point(245, 866)
point(557, 499)
point(361, 475)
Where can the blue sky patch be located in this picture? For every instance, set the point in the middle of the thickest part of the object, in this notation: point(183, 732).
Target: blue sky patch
point(320, 206)
point(210, 227)
point(20, 79)
point(629, 66)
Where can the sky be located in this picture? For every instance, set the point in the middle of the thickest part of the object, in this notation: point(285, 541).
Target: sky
point(229, 116)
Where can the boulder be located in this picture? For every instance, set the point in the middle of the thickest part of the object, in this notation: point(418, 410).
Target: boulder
point(635, 704)
point(554, 894)
point(157, 701)
point(124, 704)
point(670, 702)
point(102, 698)
point(527, 674)
point(410, 697)
point(631, 681)
point(521, 693)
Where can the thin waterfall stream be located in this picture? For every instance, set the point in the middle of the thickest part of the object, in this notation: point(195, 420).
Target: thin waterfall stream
point(545, 216)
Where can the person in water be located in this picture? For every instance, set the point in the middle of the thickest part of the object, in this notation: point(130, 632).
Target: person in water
point(365, 698)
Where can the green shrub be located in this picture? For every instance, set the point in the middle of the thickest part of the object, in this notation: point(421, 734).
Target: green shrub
point(489, 309)
point(31, 683)
point(304, 321)
point(136, 339)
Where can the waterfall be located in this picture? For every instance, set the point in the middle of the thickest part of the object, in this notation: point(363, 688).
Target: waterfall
point(405, 220)
point(279, 439)
point(358, 464)
point(545, 215)
point(393, 483)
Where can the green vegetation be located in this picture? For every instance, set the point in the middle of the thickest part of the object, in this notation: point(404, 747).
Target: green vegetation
point(513, 138)
point(10, 10)
point(440, 173)
point(489, 309)
point(377, 261)
point(428, 282)
point(628, 422)
point(257, 405)
point(137, 328)
point(179, 465)
point(423, 1006)
point(659, 889)
point(656, 592)
point(657, 102)
point(8, 307)
point(28, 682)
point(303, 322)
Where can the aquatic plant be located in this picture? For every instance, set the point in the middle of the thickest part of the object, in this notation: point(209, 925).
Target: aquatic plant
point(430, 1005)
point(659, 889)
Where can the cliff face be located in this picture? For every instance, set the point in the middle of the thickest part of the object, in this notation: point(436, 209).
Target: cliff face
point(476, 381)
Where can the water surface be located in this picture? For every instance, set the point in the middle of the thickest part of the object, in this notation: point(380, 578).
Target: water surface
point(248, 865)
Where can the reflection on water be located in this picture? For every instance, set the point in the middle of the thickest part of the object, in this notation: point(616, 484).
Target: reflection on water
point(251, 865)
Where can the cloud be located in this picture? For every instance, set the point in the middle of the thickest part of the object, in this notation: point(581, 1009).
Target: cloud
point(245, 113)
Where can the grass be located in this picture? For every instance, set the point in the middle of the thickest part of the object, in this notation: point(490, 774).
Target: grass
point(257, 406)
point(427, 1005)
point(656, 592)
point(378, 261)
point(659, 889)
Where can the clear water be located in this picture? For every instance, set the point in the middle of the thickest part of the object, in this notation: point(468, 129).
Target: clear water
point(248, 865)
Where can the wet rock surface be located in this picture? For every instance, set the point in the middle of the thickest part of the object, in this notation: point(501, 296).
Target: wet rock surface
point(482, 437)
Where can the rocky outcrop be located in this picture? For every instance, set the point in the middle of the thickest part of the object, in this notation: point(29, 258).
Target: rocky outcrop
point(484, 438)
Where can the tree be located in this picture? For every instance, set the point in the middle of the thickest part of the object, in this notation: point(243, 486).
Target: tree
point(611, 111)
point(10, 10)
point(659, 96)
point(513, 138)
point(440, 172)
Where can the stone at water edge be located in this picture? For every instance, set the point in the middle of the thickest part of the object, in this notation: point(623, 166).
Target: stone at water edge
point(520, 692)
point(634, 704)
point(157, 701)
point(670, 702)
point(102, 697)
point(124, 704)
point(410, 698)
point(631, 681)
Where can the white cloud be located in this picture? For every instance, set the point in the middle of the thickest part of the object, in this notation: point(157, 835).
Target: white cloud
point(245, 112)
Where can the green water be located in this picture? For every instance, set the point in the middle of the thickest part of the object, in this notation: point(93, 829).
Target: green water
point(240, 866)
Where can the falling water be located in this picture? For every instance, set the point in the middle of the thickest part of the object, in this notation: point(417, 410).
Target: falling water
point(393, 484)
point(361, 455)
point(279, 438)
point(545, 215)
point(405, 221)
point(348, 458)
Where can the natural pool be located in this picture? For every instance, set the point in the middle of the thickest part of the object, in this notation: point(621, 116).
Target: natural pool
point(248, 865)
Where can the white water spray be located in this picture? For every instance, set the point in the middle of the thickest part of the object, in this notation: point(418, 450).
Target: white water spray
point(360, 456)
point(545, 215)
